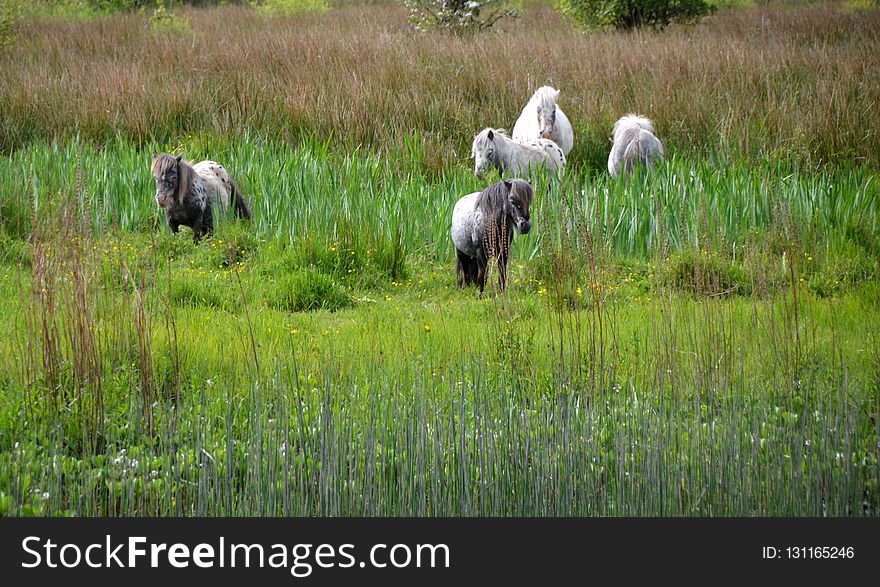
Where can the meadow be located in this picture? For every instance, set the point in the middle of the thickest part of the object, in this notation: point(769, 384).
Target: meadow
point(700, 340)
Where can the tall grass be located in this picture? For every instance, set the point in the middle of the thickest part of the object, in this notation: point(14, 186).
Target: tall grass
point(700, 340)
point(667, 347)
point(789, 83)
point(671, 405)
point(306, 192)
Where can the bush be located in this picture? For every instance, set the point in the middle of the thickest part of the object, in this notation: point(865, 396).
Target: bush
point(457, 15)
point(844, 266)
point(201, 287)
point(14, 251)
point(165, 21)
point(289, 7)
point(630, 14)
point(307, 290)
point(705, 274)
point(8, 20)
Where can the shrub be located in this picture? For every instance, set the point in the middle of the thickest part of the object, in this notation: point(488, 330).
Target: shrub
point(307, 290)
point(630, 14)
point(288, 7)
point(845, 265)
point(200, 287)
point(165, 21)
point(705, 273)
point(8, 20)
point(14, 251)
point(457, 15)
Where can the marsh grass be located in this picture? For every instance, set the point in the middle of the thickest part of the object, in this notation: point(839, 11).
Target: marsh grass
point(701, 340)
point(387, 213)
point(661, 349)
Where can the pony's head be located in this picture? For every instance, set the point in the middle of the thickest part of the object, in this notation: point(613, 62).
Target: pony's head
point(545, 103)
point(519, 200)
point(484, 150)
point(172, 176)
point(510, 198)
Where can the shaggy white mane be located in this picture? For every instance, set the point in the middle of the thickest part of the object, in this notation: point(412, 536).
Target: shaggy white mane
point(545, 96)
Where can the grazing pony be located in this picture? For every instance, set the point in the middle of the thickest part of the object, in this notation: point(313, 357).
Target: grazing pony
point(493, 148)
point(482, 228)
point(188, 193)
point(634, 142)
point(542, 118)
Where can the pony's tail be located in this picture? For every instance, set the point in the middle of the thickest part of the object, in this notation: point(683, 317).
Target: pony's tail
point(634, 153)
point(240, 204)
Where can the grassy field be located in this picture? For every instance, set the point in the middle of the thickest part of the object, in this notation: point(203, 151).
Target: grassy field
point(697, 341)
point(779, 82)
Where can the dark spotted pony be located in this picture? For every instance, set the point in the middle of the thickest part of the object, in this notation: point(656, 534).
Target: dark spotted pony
point(482, 229)
point(188, 193)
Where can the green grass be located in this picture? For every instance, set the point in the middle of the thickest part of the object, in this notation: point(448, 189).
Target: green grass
point(436, 403)
point(700, 341)
point(386, 209)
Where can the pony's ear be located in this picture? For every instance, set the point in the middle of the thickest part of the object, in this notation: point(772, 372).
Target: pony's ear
point(179, 157)
point(491, 135)
point(508, 184)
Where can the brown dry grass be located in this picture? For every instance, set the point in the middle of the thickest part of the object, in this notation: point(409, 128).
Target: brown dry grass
point(780, 82)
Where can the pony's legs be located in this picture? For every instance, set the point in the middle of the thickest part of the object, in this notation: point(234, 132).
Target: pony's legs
point(482, 263)
point(502, 270)
point(205, 225)
point(503, 257)
point(173, 224)
point(462, 268)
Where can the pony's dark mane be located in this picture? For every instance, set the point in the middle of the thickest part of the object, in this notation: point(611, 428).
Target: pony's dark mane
point(163, 162)
point(494, 204)
point(493, 199)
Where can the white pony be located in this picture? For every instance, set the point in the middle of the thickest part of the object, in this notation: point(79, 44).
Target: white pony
point(634, 142)
point(543, 119)
point(492, 148)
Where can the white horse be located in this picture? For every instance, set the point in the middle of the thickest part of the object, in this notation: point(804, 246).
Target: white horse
point(634, 142)
point(492, 148)
point(542, 118)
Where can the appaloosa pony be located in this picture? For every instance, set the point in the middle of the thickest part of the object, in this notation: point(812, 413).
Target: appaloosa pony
point(188, 193)
point(493, 148)
point(482, 229)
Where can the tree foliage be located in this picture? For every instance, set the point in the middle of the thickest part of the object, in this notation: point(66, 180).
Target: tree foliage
point(631, 14)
